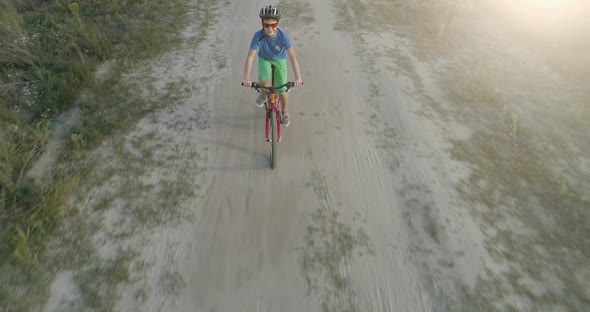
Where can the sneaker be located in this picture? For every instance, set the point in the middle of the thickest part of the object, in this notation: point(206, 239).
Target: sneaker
point(260, 99)
point(285, 119)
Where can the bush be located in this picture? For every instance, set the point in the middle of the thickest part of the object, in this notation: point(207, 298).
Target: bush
point(49, 51)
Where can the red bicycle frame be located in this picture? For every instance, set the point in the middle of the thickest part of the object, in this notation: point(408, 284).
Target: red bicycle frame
point(273, 127)
point(273, 103)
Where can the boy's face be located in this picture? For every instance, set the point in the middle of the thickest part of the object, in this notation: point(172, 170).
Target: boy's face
point(270, 26)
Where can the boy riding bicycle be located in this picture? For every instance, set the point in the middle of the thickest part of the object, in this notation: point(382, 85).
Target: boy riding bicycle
point(273, 46)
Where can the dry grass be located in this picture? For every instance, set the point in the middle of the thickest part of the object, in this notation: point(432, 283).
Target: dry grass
point(523, 95)
point(524, 125)
point(296, 14)
point(331, 246)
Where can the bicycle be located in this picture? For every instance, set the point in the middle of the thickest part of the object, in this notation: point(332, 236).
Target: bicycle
point(273, 116)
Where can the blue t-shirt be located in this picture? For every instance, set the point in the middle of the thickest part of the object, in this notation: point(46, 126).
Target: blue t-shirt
point(271, 48)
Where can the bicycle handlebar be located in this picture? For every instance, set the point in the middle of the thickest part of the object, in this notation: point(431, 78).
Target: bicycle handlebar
point(257, 86)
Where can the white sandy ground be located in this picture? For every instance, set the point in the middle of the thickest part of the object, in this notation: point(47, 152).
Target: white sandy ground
point(239, 241)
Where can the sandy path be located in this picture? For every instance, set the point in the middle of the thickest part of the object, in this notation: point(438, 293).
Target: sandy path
point(249, 248)
point(366, 210)
point(326, 230)
point(252, 241)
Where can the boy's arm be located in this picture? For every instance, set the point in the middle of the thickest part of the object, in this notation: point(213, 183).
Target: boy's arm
point(248, 67)
point(295, 64)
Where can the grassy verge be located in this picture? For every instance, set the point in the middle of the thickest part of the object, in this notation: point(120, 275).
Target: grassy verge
point(527, 119)
point(52, 61)
point(522, 94)
point(527, 182)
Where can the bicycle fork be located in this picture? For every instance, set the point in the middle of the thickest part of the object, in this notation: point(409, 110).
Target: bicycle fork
point(267, 126)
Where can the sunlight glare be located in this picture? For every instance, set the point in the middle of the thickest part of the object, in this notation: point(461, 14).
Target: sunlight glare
point(545, 16)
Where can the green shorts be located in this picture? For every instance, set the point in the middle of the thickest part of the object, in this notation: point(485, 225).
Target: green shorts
point(280, 71)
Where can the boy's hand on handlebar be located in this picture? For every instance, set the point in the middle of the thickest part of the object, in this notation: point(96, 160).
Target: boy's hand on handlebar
point(298, 83)
point(247, 84)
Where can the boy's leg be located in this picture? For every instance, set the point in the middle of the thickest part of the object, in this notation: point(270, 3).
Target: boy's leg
point(284, 100)
point(264, 72)
point(281, 78)
point(286, 118)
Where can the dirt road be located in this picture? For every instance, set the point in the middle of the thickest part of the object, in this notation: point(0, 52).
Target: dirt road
point(263, 240)
point(358, 194)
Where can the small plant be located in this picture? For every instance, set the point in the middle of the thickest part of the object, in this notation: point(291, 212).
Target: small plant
point(79, 145)
point(433, 228)
point(22, 251)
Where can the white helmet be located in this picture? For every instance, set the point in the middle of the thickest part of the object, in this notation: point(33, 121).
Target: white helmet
point(270, 11)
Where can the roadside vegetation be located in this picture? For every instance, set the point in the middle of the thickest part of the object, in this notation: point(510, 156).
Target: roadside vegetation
point(516, 76)
point(62, 67)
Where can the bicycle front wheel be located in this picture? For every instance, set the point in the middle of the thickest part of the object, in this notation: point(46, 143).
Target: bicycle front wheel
point(273, 139)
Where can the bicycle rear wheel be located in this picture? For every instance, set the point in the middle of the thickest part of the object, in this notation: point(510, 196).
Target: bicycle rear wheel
point(273, 139)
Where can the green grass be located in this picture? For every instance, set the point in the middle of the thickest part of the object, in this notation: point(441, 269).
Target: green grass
point(99, 282)
point(49, 53)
